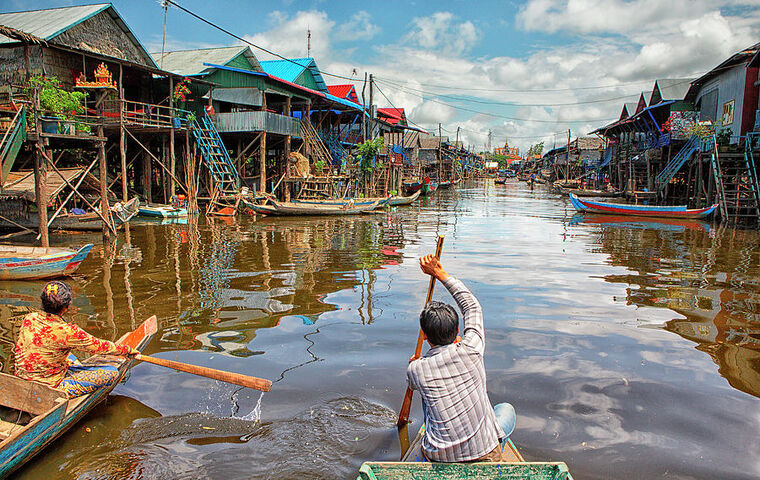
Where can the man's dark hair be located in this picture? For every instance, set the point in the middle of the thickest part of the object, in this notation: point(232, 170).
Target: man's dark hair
point(440, 323)
point(55, 296)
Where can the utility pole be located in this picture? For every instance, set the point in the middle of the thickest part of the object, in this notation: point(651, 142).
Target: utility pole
point(364, 102)
point(567, 157)
point(308, 41)
point(440, 159)
point(371, 107)
point(488, 145)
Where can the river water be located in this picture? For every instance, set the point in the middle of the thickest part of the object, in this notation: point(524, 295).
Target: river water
point(629, 349)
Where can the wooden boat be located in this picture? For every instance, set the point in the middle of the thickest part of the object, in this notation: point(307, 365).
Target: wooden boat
point(681, 211)
point(162, 211)
point(587, 192)
point(87, 222)
point(36, 263)
point(429, 189)
point(45, 412)
point(399, 201)
point(342, 202)
point(444, 185)
point(500, 180)
point(414, 465)
point(426, 186)
point(298, 209)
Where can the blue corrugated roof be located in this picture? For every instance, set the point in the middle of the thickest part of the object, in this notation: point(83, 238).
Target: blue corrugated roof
point(290, 70)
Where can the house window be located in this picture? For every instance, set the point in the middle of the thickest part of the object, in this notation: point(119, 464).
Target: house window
point(708, 108)
point(728, 113)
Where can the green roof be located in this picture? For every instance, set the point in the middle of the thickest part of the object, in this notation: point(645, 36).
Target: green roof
point(194, 62)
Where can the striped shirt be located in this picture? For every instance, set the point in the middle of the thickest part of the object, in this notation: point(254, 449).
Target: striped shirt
point(459, 419)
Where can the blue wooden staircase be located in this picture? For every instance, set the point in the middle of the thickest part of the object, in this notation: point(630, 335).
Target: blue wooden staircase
point(216, 158)
point(11, 141)
point(675, 163)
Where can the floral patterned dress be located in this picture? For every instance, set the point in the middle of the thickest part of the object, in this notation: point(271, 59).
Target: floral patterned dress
point(42, 351)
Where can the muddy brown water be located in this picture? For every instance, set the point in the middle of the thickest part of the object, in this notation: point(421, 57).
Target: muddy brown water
point(629, 349)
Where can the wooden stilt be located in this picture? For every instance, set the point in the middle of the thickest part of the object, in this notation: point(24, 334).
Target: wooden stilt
point(287, 152)
point(40, 191)
point(105, 208)
point(263, 151)
point(172, 160)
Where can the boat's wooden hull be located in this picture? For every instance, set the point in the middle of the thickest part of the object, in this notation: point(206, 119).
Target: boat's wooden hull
point(21, 445)
point(37, 263)
point(379, 202)
point(590, 206)
point(294, 209)
point(399, 201)
point(414, 466)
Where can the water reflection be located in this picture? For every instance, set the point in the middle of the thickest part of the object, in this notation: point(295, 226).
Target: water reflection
point(711, 278)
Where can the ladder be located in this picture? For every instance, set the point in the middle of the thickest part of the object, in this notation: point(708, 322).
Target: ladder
point(316, 148)
point(736, 184)
point(225, 176)
point(675, 163)
point(333, 145)
point(10, 143)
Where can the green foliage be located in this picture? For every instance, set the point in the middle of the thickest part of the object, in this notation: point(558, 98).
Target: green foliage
point(319, 165)
point(368, 151)
point(536, 149)
point(190, 117)
point(83, 127)
point(501, 159)
point(54, 99)
point(702, 130)
point(723, 137)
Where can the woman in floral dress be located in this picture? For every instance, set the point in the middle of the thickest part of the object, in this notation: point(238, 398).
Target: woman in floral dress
point(45, 342)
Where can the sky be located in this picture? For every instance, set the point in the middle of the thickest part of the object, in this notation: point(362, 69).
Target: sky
point(527, 71)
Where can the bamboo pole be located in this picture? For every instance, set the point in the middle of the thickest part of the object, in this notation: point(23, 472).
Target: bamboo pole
point(157, 160)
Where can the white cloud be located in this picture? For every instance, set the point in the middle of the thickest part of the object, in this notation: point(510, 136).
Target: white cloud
point(441, 31)
point(622, 45)
point(288, 35)
point(359, 27)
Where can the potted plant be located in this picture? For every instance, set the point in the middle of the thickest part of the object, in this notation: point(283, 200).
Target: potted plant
point(60, 103)
point(82, 129)
point(319, 166)
point(723, 139)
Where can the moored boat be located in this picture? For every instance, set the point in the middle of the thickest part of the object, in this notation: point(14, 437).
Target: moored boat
point(680, 211)
point(47, 410)
point(379, 202)
point(444, 185)
point(36, 263)
point(275, 208)
point(162, 211)
point(399, 201)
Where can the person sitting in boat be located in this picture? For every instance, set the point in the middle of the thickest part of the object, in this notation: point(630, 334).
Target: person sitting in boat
point(460, 423)
point(46, 340)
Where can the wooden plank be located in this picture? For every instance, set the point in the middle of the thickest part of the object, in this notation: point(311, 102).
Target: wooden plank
point(456, 471)
point(27, 396)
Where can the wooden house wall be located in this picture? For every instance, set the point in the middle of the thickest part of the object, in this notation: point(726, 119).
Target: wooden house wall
point(100, 34)
point(13, 64)
point(729, 85)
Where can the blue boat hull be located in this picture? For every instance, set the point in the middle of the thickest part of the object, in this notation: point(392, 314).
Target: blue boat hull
point(32, 266)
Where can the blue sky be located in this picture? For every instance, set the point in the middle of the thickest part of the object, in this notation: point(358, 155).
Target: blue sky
point(527, 70)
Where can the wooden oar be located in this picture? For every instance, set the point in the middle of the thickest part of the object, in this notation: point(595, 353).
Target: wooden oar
point(229, 377)
point(403, 416)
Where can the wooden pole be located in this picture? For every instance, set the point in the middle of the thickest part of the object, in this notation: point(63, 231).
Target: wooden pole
point(263, 150)
point(40, 174)
point(105, 209)
point(172, 160)
point(157, 160)
point(403, 416)
point(287, 152)
point(229, 377)
point(567, 157)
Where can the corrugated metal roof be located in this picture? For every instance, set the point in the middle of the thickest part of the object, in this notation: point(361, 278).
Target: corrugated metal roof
point(292, 68)
point(672, 88)
point(344, 91)
point(194, 62)
point(49, 23)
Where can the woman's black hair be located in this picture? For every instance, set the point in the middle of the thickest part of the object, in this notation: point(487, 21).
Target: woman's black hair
point(55, 296)
point(440, 323)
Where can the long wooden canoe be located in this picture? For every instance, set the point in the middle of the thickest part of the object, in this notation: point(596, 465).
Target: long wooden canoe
point(398, 201)
point(379, 202)
point(48, 411)
point(275, 208)
point(414, 465)
point(37, 263)
point(87, 222)
point(680, 211)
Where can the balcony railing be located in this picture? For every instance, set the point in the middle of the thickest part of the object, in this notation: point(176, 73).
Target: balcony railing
point(257, 121)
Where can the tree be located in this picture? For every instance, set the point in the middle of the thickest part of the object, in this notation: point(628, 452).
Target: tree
point(536, 149)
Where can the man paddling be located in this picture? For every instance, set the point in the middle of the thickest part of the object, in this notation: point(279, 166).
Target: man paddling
point(460, 424)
